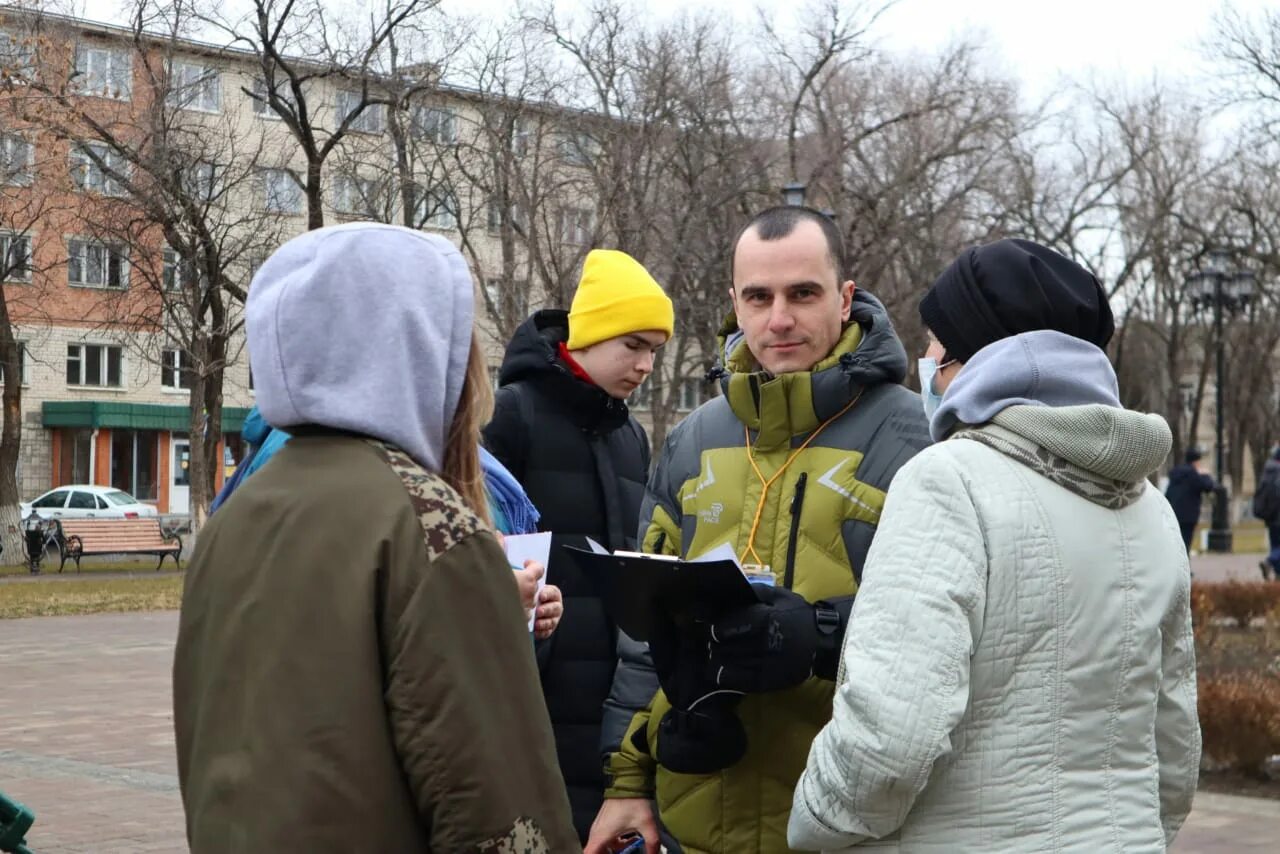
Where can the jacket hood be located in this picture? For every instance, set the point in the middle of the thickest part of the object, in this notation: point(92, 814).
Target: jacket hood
point(256, 428)
point(868, 353)
point(1042, 368)
point(366, 328)
point(533, 355)
point(1106, 441)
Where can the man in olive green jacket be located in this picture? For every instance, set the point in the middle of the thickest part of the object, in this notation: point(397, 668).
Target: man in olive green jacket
point(353, 669)
point(789, 467)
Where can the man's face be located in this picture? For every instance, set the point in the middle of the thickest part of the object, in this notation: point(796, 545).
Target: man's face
point(788, 299)
point(620, 365)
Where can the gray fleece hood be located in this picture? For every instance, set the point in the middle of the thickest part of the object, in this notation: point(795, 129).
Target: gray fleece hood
point(363, 327)
point(1049, 392)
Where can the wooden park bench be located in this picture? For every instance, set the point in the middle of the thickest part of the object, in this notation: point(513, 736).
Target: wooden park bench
point(84, 537)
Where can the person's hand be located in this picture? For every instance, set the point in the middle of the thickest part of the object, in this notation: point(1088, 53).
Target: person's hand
point(616, 817)
point(770, 645)
point(527, 580)
point(550, 610)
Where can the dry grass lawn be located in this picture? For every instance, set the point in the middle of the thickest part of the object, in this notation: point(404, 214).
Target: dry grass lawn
point(88, 595)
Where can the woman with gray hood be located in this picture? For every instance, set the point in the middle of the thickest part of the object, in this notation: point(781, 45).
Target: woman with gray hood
point(1018, 671)
point(353, 669)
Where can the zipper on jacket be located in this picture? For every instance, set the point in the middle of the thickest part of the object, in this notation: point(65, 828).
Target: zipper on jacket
point(797, 502)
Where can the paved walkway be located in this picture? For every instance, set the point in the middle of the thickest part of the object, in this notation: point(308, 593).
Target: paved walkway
point(86, 740)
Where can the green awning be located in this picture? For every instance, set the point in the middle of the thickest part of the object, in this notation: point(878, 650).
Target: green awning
point(131, 416)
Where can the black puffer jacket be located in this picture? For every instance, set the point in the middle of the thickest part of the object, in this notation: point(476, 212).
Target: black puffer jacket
point(584, 462)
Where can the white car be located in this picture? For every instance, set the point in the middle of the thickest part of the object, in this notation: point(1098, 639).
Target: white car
point(81, 501)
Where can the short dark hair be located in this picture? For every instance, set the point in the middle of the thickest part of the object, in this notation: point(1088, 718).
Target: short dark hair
point(778, 222)
point(1193, 455)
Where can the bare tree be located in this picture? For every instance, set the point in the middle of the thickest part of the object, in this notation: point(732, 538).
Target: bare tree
point(169, 183)
point(303, 49)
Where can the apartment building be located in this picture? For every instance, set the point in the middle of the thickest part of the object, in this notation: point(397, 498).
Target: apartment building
point(105, 398)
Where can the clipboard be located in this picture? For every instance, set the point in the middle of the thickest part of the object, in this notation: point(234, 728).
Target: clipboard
point(637, 588)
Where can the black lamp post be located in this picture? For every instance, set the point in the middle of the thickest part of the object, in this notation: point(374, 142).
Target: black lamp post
point(793, 194)
point(1216, 285)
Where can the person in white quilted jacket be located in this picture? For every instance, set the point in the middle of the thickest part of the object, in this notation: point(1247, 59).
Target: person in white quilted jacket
point(1019, 670)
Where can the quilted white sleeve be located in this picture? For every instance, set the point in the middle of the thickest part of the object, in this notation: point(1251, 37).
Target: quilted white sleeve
point(905, 666)
point(1177, 721)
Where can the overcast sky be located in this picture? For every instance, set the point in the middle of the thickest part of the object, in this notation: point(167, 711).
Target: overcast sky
point(1034, 40)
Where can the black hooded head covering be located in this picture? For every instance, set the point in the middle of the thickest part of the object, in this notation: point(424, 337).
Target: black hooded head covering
point(1009, 287)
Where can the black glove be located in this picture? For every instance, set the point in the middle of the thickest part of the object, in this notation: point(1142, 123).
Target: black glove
point(701, 733)
point(777, 643)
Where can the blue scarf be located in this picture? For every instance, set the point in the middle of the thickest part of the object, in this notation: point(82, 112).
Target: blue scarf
point(513, 512)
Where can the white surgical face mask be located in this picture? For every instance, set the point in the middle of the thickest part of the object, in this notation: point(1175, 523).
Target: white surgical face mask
point(928, 367)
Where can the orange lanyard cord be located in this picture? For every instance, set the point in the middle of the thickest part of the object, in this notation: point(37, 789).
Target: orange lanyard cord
point(750, 551)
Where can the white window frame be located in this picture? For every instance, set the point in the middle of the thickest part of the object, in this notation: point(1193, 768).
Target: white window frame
point(578, 148)
point(18, 56)
point(371, 120)
point(691, 395)
point(521, 135)
point(444, 211)
point(174, 276)
point(24, 363)
point(356, 196)
point(104, 364)
point(104, 72)
point(515, 216)
point(274, 183)
point(173, 371)
point(80, 252)
point(89, 177)
point(520, 287)
point(575, 226)
point(7, 240)
point(435, 124)
point(17, 160)
point(195, 86)
point(206, 181)
point(262, 108)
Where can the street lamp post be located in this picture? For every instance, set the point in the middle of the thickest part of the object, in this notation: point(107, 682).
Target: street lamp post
point(1223, 289)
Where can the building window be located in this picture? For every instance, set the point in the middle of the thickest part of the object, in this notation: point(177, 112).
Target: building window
point(176, 274)
point(175, 370)
point(640, 399)
point(15, 255)
point(577, 149)
point(96, 265)
point(205, 181)
point(15, 160)
point(357, 196)
point(497, 288)
point(370, 119)
point(17, 57)
point(281, 192)
point(75, 454)
point(436, 208)
point(104, 72)
point(515, 218)
point(95, 168)
point(24, 366)
point(575, 225)
point(521, 136)
point(691, 394)
point(95, 365)
point(261, 105)
point(435, 124)
point(194, 86)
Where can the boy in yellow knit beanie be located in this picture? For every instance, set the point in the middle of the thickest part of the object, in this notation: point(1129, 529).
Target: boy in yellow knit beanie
point(619, 318)
point(562, 427)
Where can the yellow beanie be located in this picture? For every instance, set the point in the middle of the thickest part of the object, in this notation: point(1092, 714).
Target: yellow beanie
point(616, 296)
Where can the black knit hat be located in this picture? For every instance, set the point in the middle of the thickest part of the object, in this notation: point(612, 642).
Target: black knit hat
point(1009, 287)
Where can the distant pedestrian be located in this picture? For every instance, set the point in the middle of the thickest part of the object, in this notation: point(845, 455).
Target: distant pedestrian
point(1188, 483)
point(1266, 506)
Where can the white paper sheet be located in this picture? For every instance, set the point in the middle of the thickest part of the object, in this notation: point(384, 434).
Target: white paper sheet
point(522, 547)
